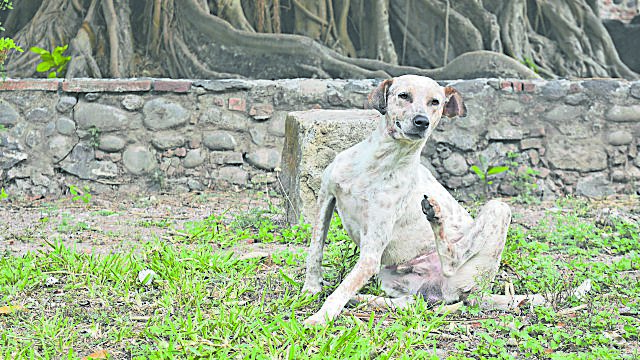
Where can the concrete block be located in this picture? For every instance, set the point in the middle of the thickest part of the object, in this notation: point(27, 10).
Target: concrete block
point(312, 140)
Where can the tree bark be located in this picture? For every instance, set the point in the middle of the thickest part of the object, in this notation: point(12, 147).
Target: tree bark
point(324, 38)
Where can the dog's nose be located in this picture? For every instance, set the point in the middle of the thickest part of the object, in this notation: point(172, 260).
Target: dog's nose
point(421, 122)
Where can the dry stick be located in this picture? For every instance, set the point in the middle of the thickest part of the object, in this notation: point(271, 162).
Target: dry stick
point(260, 10)
point(276, 16)
point(332, 29)
point(406, 28)
point(77, 5)
point(446, 35)
point(287, 196)
point(309, 14)
point(155, 25)
point(112, 25)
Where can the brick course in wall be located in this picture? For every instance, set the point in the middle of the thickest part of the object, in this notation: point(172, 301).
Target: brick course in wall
point(146, 135)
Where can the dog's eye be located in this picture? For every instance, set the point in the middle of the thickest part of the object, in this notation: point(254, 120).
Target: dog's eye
point(404, 96)
point(435, 102)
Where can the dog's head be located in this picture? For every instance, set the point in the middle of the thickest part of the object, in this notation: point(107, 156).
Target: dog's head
point(413, 105)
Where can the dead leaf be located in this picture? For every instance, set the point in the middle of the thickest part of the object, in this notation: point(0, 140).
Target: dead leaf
point(5, 310)
point(548, 350)
point(100, 354)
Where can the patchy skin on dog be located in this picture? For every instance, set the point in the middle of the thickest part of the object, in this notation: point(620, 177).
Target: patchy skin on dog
point(411, 232)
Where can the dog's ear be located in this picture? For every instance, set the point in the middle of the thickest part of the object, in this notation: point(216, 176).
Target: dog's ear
point(378, 97)
point(454, 105)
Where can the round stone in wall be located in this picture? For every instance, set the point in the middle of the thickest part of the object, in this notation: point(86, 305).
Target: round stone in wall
point(66, 103)
point(60, 147)
point(195, 185)
point(233, 175)
point(167, 141)
point(8, 115)
point(133, 102)
point(65, 126)
point(161, 114)
point(456, 164)
point(38, 115)
point(634, 91)
point(138, 160)
point(100, 116)
point(193, 159)
point(620, 137)
point(265, 159)
point(111, 143)
point(219, 140)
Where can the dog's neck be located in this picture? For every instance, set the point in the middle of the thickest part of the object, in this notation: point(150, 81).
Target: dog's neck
point(391, 152)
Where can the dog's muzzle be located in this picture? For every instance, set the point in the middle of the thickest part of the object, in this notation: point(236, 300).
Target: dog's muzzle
point(421, 122)
point(417, 129)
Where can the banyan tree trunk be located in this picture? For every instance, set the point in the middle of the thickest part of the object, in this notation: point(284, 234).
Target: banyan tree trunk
point(316, 38)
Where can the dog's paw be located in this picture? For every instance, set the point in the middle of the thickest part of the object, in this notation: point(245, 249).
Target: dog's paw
point(317, 319)
point(431, 209)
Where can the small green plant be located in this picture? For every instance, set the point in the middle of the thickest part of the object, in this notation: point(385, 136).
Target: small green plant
point(484, 171)
point(55, 63)
point(6, 44)
point(524, 181)
point(528, 62)
point(3, 194)
point(4, 5)
point(94, 136)
point(84, 195)
point(527, 188)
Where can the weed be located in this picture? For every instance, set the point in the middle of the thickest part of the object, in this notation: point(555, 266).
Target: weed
point(158, 179)
point(3, 194)
point(94, 136)
point(485, 171)
point(83, 195)
point(53, 62)
point(524, 181)
point(528, 62)
point(163, 223)
point(6, 44)
point(106, 212)
point(69, 225)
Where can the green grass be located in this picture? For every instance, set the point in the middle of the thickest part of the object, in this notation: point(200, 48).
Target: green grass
point(207, 303)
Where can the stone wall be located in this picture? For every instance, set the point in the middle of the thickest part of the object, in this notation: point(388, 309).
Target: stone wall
point(142, 135)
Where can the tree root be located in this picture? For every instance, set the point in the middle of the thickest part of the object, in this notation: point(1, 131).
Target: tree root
point(188, 40)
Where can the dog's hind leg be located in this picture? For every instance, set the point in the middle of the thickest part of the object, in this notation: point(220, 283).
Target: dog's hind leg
point(325, 206)
point(477, 253)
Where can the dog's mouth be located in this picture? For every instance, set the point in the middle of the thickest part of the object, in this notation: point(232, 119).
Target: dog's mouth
point(411, 135)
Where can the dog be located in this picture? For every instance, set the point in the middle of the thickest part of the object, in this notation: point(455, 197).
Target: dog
point(410, 231)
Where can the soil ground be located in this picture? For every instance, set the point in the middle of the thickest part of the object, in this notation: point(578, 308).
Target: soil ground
point(116, 224)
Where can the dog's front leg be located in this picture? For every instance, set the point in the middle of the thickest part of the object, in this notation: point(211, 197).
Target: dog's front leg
point(367, 266)
point(325, 205)
point(372, 245)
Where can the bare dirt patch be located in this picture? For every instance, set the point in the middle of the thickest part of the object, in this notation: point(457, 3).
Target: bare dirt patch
point(117, 224)
point(105, 225)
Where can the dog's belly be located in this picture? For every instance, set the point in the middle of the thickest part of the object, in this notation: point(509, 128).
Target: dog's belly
point(412, 236)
